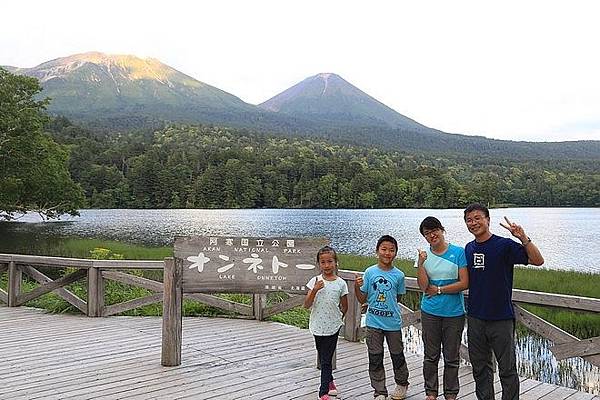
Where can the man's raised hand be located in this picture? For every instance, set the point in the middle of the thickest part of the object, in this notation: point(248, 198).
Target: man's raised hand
point(514, 229)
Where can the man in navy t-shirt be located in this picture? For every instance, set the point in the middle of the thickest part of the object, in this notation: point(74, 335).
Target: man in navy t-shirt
point(490, 316)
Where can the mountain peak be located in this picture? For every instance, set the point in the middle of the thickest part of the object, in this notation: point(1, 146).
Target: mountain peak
point(125, 65)
point(326, 75)
point(329, 97)
point(81, 84)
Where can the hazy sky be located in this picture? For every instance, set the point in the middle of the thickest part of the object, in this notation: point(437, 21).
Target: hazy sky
point(524, 70)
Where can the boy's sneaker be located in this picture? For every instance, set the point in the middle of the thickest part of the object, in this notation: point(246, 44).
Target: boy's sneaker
point(332, 389)
point(399, 392)
point(381, 397)
point(325, 397)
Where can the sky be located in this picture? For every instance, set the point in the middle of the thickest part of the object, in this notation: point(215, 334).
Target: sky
point(517, 70)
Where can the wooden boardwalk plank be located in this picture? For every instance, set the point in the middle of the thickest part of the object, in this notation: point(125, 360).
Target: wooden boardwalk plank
point(47, 356)
point(561, 392)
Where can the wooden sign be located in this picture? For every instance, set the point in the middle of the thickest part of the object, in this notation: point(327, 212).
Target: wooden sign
point(247, 264)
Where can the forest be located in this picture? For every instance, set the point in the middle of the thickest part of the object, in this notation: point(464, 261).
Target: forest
point(196, 166)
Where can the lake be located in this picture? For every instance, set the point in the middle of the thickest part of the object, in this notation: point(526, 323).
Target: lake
point(565, 236)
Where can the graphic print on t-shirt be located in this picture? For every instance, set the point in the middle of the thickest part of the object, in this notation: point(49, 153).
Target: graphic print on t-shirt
point(381, 286)
point(478, 260)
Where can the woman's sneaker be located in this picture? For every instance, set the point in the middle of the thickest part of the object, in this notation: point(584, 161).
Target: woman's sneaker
point(399, 392)
point(325, 397)
point(332, 389)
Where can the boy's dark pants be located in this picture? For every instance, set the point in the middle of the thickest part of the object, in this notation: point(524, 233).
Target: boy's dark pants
point(325, 347)
point(376, 369)
point(497, 336)
point(441, 334)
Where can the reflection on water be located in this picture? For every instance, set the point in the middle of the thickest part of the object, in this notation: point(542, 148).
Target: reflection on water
point(535, 361)
point(561, 233)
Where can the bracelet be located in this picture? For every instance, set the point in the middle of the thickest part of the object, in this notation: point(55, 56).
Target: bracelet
point(527, 242)
point(439, 290)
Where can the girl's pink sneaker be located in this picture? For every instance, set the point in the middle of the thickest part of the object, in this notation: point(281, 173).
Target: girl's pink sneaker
point(332, 389)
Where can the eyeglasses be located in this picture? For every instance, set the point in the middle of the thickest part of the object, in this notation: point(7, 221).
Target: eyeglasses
point(431, 232)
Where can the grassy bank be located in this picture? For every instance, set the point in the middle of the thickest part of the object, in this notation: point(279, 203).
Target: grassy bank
point(583, 325)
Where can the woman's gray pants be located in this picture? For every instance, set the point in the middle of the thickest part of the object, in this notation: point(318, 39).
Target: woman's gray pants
point(441, 335)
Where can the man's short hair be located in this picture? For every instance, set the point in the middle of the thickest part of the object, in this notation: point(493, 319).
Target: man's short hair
point(477, 207)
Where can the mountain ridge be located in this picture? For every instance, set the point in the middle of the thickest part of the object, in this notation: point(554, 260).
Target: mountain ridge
point(116, 92)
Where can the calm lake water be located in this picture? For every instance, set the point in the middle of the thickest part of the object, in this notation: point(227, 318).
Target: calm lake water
point(566, 237)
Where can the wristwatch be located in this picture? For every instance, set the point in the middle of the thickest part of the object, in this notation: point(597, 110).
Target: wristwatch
point(527, 241)
point(439, 290)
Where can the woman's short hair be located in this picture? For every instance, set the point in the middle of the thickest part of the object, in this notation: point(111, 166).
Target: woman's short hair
point(430, 224)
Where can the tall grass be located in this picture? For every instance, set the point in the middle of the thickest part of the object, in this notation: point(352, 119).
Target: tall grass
point(81, 248)
point(580, 324)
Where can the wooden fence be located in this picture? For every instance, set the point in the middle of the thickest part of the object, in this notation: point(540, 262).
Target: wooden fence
point(96, 272)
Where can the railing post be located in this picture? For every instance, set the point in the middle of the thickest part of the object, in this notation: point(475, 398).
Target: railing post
point(353, 315)
point(259, 301)
point(14, 283)
point(95, 299)
point(172, 310)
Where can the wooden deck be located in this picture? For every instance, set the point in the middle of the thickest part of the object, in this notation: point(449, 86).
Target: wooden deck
point(49, 356)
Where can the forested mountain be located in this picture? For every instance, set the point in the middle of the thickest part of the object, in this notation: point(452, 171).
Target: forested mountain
point(120, 93)
point(211, 167)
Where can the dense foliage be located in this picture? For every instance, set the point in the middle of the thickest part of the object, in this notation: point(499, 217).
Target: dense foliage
point(211, 167)
point(33, 168)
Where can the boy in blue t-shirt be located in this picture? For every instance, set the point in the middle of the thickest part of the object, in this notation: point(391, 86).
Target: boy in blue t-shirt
point(381, 288)
point(490, 316)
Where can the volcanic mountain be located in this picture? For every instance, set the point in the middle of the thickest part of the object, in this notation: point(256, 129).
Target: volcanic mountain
point(91, 85)
point(328, 97)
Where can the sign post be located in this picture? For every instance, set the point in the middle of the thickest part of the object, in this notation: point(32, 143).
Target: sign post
point(232, 265)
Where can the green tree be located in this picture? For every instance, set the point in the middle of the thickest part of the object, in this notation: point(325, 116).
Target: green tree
point(34, 173)
point(215, 167)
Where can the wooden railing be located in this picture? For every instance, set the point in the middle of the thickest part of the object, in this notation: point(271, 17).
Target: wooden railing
point(96, 272)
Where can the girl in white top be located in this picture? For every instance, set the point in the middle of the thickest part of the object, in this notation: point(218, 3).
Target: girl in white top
point(327, 298)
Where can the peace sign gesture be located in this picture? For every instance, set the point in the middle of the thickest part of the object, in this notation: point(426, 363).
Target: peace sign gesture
point(515, 230)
